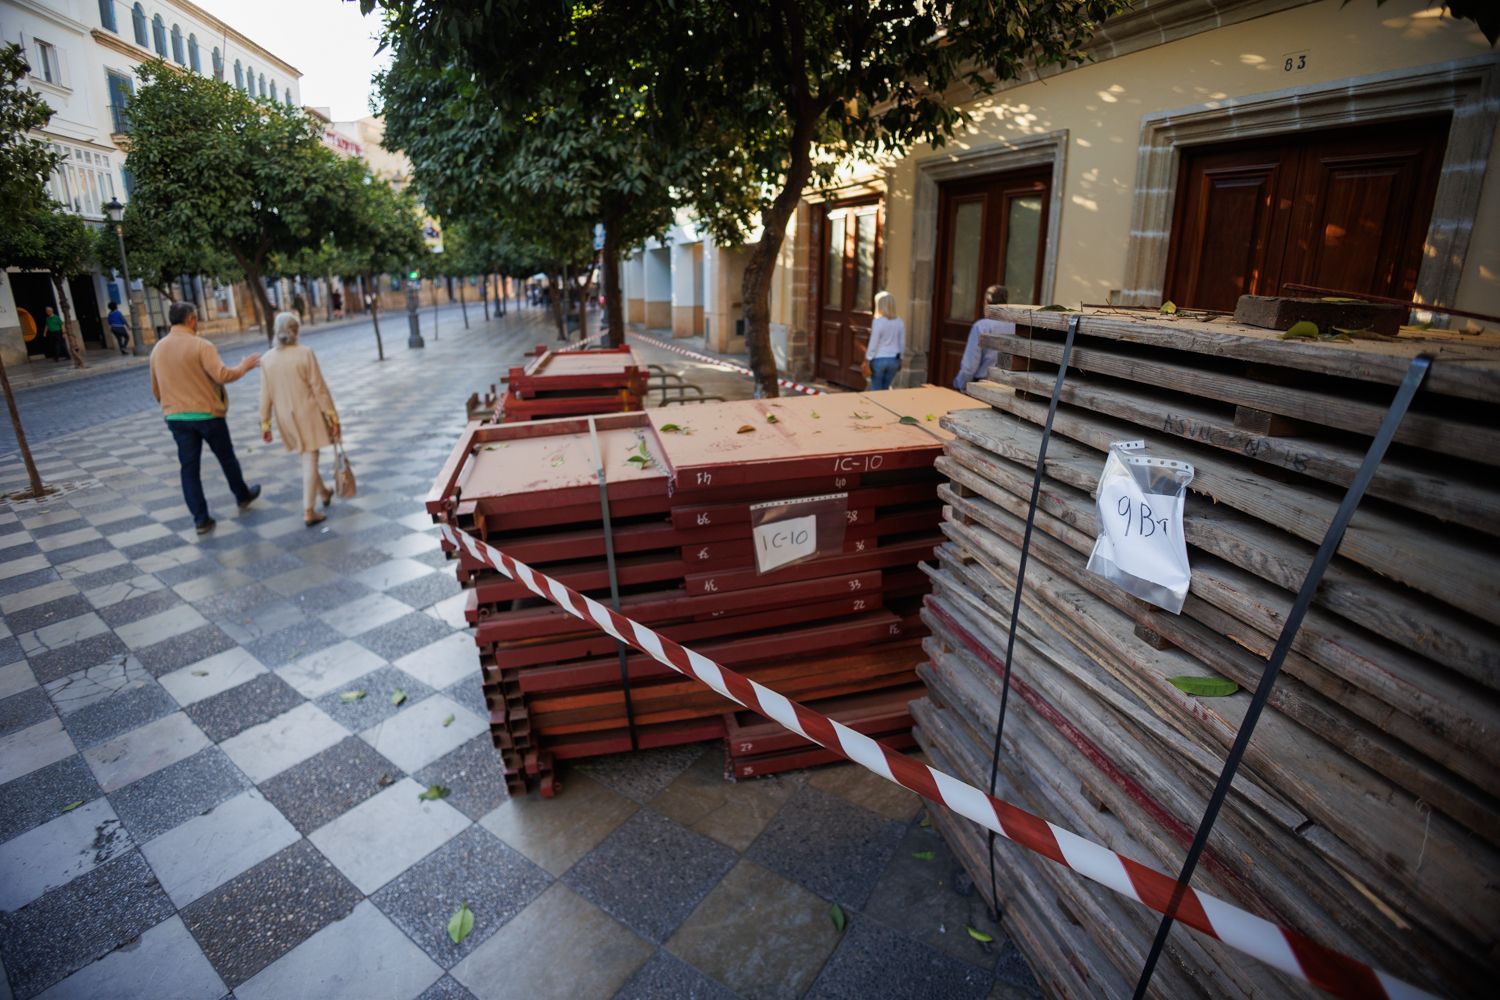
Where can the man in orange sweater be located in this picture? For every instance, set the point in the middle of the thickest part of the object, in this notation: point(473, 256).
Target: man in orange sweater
point(188, 379)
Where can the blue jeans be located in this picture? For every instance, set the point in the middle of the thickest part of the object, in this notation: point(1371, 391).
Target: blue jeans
point(191, 435)
point(883, 372)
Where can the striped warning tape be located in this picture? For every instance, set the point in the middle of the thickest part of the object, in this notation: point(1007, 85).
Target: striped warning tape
point(584, 344)
point(1289, 951)
point(785, 383)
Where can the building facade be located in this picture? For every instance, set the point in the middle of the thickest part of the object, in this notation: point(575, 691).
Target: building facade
point(1207, 150)
point(83, 55)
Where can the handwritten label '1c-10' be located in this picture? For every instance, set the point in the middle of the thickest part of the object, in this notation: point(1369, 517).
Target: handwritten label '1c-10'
point(781, 542)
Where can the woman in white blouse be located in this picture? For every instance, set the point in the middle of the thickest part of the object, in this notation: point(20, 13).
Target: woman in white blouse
point(887, 343)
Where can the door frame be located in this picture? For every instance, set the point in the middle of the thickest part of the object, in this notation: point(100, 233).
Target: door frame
point(820, 257)
point(1046, 149)
point(1464, 88)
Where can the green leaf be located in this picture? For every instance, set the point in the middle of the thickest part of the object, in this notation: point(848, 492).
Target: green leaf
point(461, 924)
point(1204, 687)
point(1054, 308)
point(448, 722)
point(1169, 308)
point(200, 673)
point(71, 806)
point(836, 914)
point(923, 855)
point(860, 416)
point(815, 415)
point(435, 792)
point(931, 417)
point(926, 822)
point(670, 428)
point(771, 419)
point(351, 695)
point(638, 460)
point(1301, 330)
point(979, 936)
point(911, 420)
point(398, 696)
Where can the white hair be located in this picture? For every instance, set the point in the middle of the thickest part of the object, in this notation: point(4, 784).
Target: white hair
point(287, 328)
point(885, 305)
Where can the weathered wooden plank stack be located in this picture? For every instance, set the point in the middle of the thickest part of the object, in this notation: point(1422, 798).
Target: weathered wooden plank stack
point(680, 486)
point(566, 384)
point(1365, 813)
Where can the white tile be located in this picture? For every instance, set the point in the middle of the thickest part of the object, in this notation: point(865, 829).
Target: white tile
point(63, 633)
point(206, 678)
point(59, 851)
point(445, 662)
point(136, 536)
point(370, 611)
point(362, 957)
point(15, 567)
point(145, 751)
point(49, 517)
point(62, 541)
point(389, 574)
point(23, 599)
point(11, 540)
point(268, 749)
point(316, 674)
point(33, 747)
point(385, 835)
point(163, 962)
point(416, 736)
point(83, 688)
point(160, 627)
point(415, 544)
point(16, 678)
point(91, 564)
point(451, 610)
point(111, 594)
point(209, 850)
point(180, 556)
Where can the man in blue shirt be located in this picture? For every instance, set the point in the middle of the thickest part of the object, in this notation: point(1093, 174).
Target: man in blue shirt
point(118, 327)
point(978, 360)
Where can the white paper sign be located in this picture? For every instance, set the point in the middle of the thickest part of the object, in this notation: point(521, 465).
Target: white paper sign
point(1140, 545)
point(782, 542)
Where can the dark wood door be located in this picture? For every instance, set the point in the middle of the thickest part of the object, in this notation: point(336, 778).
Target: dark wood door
point(991, 231)
point(846, 289)
point(1345, 210)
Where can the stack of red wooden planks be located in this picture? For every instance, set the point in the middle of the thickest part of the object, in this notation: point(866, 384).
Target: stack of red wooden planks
point(569, 384)
point(840, 629)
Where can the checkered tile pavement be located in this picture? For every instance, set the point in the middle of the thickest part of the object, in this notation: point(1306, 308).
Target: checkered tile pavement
point(191, 807)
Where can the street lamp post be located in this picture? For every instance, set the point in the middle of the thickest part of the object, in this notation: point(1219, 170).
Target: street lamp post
point(414, 338)
point(116, 212)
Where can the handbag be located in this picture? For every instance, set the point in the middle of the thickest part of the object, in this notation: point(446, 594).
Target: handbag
point(343, 473)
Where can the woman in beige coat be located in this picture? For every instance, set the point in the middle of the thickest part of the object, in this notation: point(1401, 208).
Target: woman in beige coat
point(292, 389)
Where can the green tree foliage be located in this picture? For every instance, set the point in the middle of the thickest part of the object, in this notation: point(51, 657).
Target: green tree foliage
point(25, 162)
point(158, 256)
point(212, 167)
point(379, 232)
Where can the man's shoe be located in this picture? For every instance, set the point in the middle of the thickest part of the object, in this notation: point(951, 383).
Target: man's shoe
point(254, 492)
point(205, 526)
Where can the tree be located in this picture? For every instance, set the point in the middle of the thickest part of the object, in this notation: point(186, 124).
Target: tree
point(379, 233)
point(25, 166)
point(248, 178)
point(55, 240)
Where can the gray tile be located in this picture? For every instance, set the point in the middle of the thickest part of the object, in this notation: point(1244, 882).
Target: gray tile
point(140, 702)
point(89, 548)
point(667, 977)
point(235, 601)
point(650, 873)
point(253, 551)
point(231, 712)
point(406, 634)
point(320, 597)
point(301, 580)
point(35, 798)
point(473, 867)
point(379, 685)
point(164, 961)
point(181, 573)
point(259, 622)
point(642, 775)
point(474, 773)
point(258, 916)
point(80, 922)
point(196, 857)
point(329, 784)
point(189, 647)
point(264, 569)
point(85, 653)
point(178, 792)
point(289, 644)
point(357, 958)
point(1012, 970)
point(10, 650)
point(469, 693)
point(21, 711)
point(55, 853)
point(446, 988)
point(42, 615)
point(135, 608)
point(873, 960)
point(834, 848)
point(211, 584)
point(427, 590)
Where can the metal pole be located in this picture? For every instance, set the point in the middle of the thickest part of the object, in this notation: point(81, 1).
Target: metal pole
point(139, 347)
point(414, 338)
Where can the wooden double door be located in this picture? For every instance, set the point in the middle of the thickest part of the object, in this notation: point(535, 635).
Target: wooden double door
point(1346, 210)
point(851, 247)
point(991, 231)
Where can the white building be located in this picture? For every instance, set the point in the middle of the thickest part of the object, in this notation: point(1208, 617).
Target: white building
point(83, 55)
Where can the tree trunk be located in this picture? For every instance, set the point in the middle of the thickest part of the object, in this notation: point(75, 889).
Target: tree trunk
point(37, 489)
point(462, 304)
point(484, 294)
point(559, 291)
point(258, 293)
point(756, 288)
point(374, 313)
point(75, 349)
point(614, 308)
point(583, 304)
point(434, 309)
point(328, 299)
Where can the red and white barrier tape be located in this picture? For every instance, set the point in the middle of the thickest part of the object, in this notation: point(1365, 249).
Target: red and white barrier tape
point(583, 344)
point(1289, 951)
point(785, 383)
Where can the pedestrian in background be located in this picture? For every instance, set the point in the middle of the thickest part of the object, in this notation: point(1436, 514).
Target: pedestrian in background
point(293, 391)
point(188, 379)
point(117, 326)
point(978, 359)
point(887, 343)
point(52, 336)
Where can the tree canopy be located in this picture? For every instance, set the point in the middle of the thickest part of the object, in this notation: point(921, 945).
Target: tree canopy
point(25, 162)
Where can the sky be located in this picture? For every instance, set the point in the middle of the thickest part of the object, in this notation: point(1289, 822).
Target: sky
point(327, 40)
